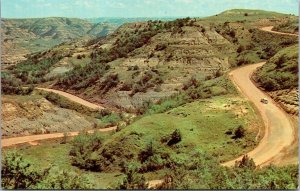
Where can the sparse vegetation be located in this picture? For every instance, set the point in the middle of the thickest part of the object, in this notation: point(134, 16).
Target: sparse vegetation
point(289, 26)
point(11, 85)
point(33, 70)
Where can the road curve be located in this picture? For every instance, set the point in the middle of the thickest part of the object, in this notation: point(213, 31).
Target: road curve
point(33, 138)
point(279, 132)
point(73, 98)
point(269, 29)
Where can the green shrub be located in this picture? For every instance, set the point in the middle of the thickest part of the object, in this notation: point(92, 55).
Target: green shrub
point(239, 132)
point(111, 119)
point(203, 172)
point(65, 180)
point(17, 173)
point(246, 162)
point(160, 47)
point(132, 179)
point(84, 149)
point(175, 137)
point(148, 152)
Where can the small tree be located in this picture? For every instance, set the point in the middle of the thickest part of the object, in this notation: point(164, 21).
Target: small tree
point(83, 149)
point(280, 61)
point(232, 33)
point(175, 137)
point(64, 138)
point(148, 152)
point(240, 49)
point(246, 162)
point(218, 73)
point(132, 179)
point(239, 132)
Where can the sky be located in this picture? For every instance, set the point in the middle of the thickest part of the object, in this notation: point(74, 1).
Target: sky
point(136, 8)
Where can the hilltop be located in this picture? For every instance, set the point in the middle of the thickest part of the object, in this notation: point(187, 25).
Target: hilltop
point(252, 12)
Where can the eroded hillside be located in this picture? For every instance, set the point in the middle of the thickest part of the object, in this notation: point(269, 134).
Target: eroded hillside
point(25, 36)
point(27, 115)
point(147, 61)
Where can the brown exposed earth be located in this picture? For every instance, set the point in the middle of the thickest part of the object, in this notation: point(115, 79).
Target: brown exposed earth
point(28, 115)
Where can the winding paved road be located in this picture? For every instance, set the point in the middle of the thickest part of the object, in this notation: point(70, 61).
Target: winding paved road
point(279, 132)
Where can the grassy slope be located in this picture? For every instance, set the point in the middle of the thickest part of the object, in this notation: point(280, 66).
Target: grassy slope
point(203, 125)
point(281, 71)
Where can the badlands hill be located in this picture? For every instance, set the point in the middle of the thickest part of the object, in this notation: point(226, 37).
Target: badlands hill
point(147, 61)
point(25, 36)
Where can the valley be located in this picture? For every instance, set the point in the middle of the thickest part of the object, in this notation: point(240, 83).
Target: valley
point(158, 104)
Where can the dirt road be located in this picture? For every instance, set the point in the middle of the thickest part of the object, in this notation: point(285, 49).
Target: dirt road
point(279, 132)
point(34, 138)
point(73, 98)
point(269, 29)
